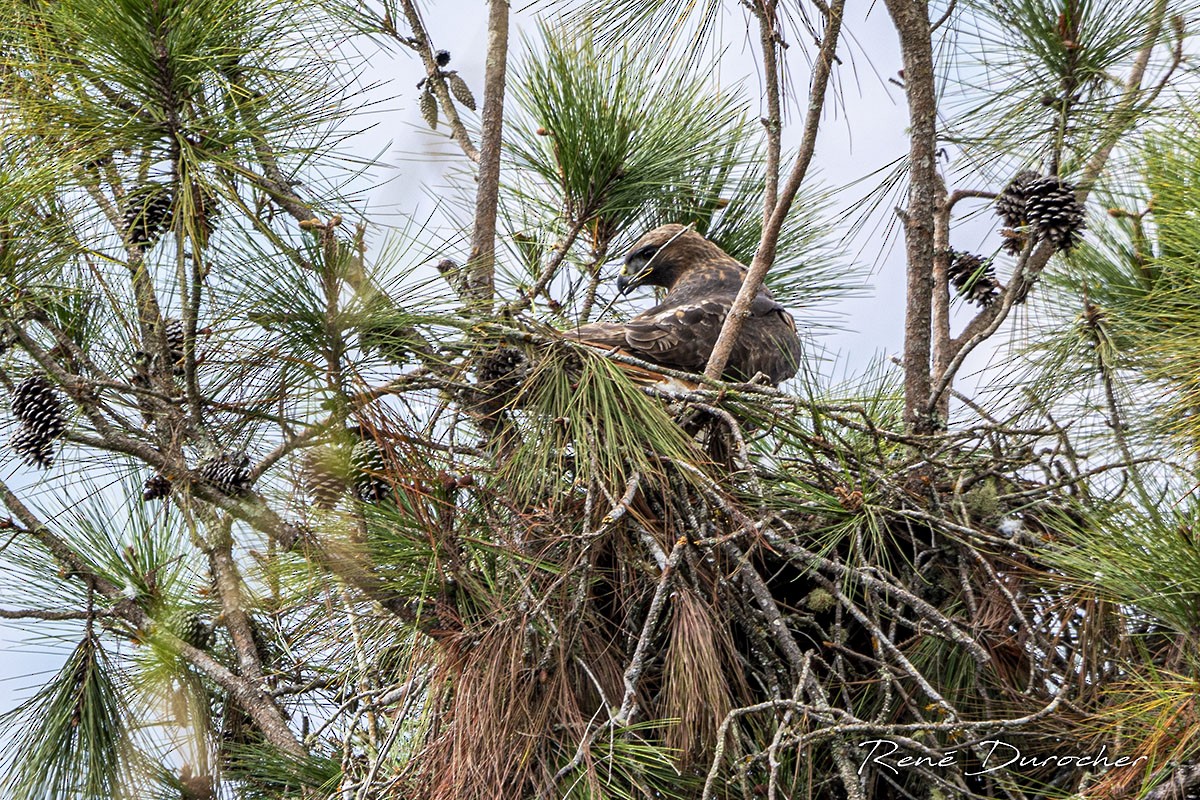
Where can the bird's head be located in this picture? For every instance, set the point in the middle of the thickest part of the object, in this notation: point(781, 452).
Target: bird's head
point(662, 255)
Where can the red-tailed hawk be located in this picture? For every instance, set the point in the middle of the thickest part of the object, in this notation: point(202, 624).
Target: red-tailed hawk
point(702, 281)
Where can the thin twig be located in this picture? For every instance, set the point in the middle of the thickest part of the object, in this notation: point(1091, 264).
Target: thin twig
point(550, 270)
point(421, 43)
point(944, 17)
point(768, 32)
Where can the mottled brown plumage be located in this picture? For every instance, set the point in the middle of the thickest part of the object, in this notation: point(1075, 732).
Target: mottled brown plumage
point(702, 281)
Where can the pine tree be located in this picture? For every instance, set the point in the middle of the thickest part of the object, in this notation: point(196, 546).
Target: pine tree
point(333, 521)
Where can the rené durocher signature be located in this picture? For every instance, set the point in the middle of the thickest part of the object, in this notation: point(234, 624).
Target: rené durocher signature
point(993, 755)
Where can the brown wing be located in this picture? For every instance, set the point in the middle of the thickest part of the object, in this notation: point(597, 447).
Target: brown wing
point(767, 344)
point(600, 334)
point(680, 336)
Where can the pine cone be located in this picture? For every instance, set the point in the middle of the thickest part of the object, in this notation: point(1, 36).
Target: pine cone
point(1010, 207)
point(1010, 204)
point(193, 628)
point(323, 474)
point(34, 450)
point(35, 403)
point(369, 469)
point(35, 399)
point(1045, 206)
point(229, 472)
point(148, 212)
point(429, 108)
point(973, 277)
point(195, 787)
point(460, 90)
point(1053, 211)
point(502, 370)
point(173, 330)
point(156, 487)
point(499, 374)
point(267, 643)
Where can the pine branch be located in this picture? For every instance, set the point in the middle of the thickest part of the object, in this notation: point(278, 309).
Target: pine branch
point(249, 696)
point(1031, 265)
point(149, 309)
point(61, 551)
point(764, 257)
point(421, 43)
point(191, 291)
point(350, 567)
point(911, 19)
point(481, 265)
point(102, 417)
point(281, 190)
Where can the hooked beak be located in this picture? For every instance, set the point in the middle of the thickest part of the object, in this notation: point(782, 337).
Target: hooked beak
point(625, 281)
point(635, 272)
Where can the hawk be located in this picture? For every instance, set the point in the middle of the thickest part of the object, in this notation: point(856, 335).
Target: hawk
point(702, 281)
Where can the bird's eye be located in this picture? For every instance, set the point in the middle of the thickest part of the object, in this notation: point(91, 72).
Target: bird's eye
point(646, 252)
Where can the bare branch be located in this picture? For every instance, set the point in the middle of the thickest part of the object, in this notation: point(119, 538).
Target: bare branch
point(481, 265)
point(228, 582)
point(765, 255)
point(911, 19)
point(42, 614)
point(768, 30)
